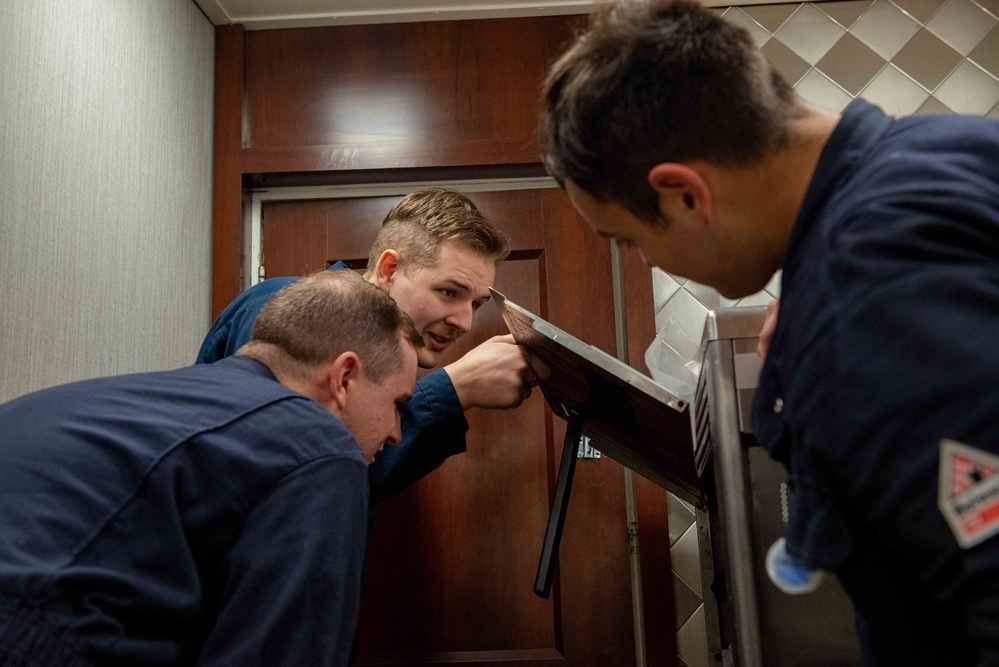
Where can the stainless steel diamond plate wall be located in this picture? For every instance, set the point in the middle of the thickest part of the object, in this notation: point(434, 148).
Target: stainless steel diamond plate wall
point(906, 56)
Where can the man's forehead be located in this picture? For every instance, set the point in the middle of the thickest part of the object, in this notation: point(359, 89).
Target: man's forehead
point(453, 247)
point(461, 265)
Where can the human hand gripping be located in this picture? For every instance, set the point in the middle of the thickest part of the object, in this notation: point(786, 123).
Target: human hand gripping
point(498, 373)
point(767, 332)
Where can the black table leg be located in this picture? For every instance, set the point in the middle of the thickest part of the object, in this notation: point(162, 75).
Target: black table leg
point(553, 534)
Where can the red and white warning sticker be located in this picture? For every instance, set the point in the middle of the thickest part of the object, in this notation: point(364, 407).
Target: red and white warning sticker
point(968, 495)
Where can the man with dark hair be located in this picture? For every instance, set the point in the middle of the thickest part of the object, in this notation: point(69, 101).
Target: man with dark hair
point(207, 515)
point(436, 255)
point(670, 132)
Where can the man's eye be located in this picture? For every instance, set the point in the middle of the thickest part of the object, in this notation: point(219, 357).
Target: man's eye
point(476, 305)
point(449, 293)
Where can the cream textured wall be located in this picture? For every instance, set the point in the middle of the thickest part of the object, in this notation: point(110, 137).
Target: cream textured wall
point(106, 113)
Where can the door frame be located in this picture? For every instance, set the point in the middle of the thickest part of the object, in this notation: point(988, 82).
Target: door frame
point(253, 224)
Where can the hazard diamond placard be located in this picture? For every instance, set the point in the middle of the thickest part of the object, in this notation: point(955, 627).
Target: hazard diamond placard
point(968, 495)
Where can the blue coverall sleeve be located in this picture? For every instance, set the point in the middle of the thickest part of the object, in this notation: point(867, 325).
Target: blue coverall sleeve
point(896, 411)
point(917, 364)
point(293, 579)
point(433, 428)
point(232, 328)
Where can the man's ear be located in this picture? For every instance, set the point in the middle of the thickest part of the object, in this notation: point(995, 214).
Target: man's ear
point(344, 371)
point(682, 191)
point(386, 268)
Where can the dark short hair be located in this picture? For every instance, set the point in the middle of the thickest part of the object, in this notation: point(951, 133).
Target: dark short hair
point(421, 221)
point(319, 317)
point(658, 81)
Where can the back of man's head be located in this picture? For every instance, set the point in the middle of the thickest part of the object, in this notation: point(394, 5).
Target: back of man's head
point(656, 81)
point(317, 318)
point(419, 223)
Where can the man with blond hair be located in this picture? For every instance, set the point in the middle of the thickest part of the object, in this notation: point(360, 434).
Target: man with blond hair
point(672, 133)
point(212, 514)
point(436, 255)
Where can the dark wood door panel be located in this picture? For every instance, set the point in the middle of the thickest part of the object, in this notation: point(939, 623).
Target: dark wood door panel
point(460, 546)
point(304, 236)
point(594, 572)
point(294, 237)
point(402, 94)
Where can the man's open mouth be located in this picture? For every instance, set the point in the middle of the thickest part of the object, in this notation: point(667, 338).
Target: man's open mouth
point(437, 342)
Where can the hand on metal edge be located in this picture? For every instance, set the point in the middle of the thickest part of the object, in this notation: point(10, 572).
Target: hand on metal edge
point(767, 332)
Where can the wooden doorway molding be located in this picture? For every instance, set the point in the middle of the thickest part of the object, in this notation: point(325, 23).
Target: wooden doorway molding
point(253, 268)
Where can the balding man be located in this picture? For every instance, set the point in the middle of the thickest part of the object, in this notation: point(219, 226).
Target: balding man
point(214, 514)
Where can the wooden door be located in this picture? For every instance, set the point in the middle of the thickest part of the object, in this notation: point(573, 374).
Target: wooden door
point(449, 579)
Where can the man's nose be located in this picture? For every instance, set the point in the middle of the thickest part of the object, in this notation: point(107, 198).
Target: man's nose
point(461, 318)
point(395, 437)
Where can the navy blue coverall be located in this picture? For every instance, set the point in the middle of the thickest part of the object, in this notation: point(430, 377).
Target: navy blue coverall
point(886, 352)
point(207, 515)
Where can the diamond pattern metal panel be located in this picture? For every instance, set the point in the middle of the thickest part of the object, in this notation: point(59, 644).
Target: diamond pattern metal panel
point(687, 312)
point(708, 296)
point(933, 106)
point(685, 560)
point(757, 32)
point(823, 92)
point(845, 13)
point(962, 24)
point(692, 640)
point(773, 287)
point(663, 287)
point(685, 599)
point(851, 64)
point(894, 92)
point(790, 65)
point(986, 54)
point(810, 33)
point(927, 59)
point(885, 29)
point(970, 89)
point(921, 10)
point(771, 17)
point(991, 6)
point(681, 517)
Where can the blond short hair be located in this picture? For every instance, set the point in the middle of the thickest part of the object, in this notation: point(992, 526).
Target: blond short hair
point(423, 220)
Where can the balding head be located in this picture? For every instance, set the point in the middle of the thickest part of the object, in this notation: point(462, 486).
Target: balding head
point(317, 318)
